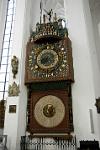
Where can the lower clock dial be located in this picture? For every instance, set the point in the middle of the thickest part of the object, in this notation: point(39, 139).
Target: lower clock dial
point(49, 111)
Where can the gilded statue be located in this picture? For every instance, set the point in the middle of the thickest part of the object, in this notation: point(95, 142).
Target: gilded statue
point(13, 89)
point(14, 64)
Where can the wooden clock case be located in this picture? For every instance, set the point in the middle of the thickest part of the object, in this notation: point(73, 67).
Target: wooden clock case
point(55, 81)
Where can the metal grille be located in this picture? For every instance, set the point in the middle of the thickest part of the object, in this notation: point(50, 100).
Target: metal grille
point(28, 143)
point(6, 49)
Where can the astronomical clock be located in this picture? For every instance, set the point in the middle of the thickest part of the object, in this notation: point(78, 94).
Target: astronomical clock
point(48, 77)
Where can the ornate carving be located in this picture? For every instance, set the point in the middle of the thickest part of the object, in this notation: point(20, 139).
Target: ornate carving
point(97, 104)
point(13, 89)
point(14, 64)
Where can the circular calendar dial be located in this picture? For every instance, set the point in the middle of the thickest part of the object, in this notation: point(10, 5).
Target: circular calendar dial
point(49, 111)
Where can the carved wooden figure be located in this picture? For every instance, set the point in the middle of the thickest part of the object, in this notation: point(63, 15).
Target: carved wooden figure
point(13, 89)
point(14, 64)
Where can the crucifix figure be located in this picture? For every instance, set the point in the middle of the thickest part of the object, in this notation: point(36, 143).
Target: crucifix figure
point(49, 13)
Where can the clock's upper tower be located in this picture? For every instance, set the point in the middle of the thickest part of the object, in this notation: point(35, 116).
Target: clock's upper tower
point(49, 54)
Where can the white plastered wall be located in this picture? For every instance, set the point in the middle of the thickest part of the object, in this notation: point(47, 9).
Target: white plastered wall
point(83, 90)
point(15, 124)
point(94, 52)
point(95, 14)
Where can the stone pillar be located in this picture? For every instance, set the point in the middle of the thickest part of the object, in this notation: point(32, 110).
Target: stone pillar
point(15, 123)
point(95, 54)
point(95, 12)
point(86, 87)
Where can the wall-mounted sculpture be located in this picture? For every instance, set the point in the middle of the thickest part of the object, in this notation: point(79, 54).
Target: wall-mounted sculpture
point(97, 104)
point(14, 64)
point(13, 90)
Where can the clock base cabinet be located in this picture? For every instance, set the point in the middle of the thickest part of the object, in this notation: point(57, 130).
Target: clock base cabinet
point(50, 113)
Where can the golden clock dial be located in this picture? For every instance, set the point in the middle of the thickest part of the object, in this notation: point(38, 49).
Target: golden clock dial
point(46, 62)
point(49, 111)
point(47, 59)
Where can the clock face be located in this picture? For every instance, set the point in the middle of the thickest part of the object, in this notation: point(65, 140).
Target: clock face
point(48, 62)
point(49, 111)
point(47, 59)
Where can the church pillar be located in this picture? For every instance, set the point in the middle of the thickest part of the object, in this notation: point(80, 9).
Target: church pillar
point(95, 55)
point(85, 88)
point(15, 122)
